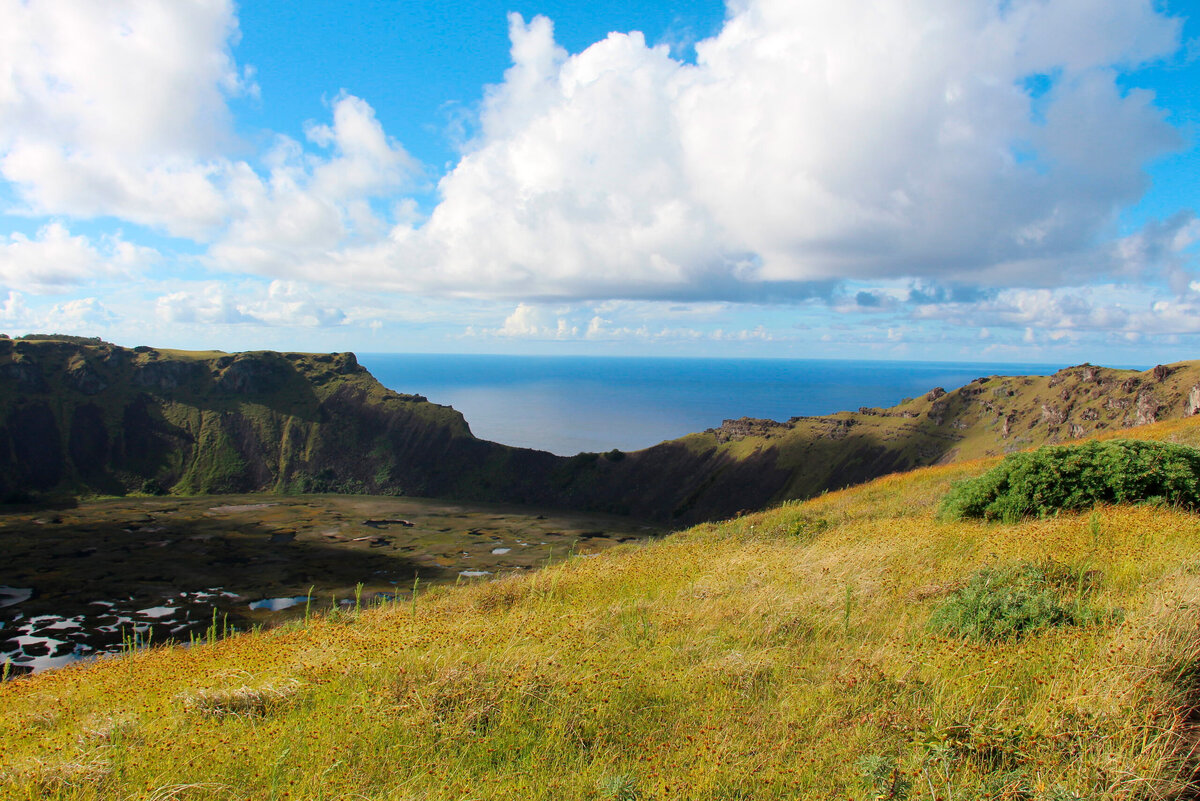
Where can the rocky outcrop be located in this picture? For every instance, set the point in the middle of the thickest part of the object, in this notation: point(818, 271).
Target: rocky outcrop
point(743, 427)
point(24, 375)
point(1147, 408)
point(82, 378)
point(165, 375)
point(1053, 416)
point(1193, 401)
point(252, 375)
point(1006, 430)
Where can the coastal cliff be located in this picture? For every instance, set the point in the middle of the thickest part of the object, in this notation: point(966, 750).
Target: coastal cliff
point(88, 417)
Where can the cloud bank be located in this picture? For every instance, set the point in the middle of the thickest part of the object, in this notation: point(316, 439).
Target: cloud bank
point(978, 153)
point(811, 142)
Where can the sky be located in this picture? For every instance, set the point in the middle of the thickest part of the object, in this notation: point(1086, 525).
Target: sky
point(952, 180)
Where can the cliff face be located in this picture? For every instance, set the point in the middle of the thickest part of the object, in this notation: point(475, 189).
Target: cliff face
point(97, 417)
point(90, 417)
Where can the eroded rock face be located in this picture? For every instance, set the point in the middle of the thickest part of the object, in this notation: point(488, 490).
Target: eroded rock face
point(1148, 408)
point(1008, 423)
point(253, 376)
point(25, 375)
point(937, 412)
point(1053, 416)
point(165, 376)
point(935, 393)
point(743, 427)
point(37, 445)
point(88, 440)
point(85, 380)
point(1193, 401)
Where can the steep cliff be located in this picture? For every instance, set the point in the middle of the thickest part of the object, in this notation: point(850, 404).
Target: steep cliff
point(83, 416)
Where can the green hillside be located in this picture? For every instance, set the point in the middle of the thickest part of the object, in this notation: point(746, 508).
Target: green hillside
point(815, 650)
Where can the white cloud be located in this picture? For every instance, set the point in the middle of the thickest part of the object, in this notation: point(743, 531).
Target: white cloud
point(56, 261)
point(118, 108)
point(123, 77)
point(13, 310)
point(280, 303)
point(1100, 309)
point(309, 206)
point(810, 143)
point(531, 322)
point(82, 315)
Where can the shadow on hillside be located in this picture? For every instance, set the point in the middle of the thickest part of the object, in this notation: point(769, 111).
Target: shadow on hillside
point(145, 559)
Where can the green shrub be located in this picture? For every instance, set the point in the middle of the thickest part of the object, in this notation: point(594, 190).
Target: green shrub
point(1051, 478)
point(999, 604)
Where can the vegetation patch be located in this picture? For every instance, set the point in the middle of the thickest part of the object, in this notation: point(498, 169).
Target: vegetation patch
point(1044, 481)
point(1025, 598)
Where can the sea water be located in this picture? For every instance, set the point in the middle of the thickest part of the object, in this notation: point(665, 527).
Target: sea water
point(568, 404)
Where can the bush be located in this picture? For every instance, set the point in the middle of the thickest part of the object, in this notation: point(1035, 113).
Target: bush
point(999, 604)
point(1051, 478)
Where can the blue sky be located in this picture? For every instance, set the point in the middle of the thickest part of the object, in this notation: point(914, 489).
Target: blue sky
point(908, 179)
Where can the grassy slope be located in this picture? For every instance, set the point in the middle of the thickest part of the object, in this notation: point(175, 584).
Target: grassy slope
point(990, 416)
point(765, 657)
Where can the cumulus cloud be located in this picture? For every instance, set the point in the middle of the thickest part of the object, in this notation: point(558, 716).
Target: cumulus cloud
point(965, 144)
point(531, 322)
point(617, 322)
point(1100, 309)
point(308, 207)
point(56, 261)
point(279, 303)
point(13, 309)
point(810, 142)
point(118, 107)
point(121, 109)
point(78, 316)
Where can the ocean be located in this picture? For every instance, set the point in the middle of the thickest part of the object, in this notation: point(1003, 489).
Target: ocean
point(569, 404)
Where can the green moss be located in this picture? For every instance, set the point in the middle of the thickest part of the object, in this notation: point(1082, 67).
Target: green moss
point(216, 466)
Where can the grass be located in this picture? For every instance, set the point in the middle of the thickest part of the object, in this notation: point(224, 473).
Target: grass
point(787, 654)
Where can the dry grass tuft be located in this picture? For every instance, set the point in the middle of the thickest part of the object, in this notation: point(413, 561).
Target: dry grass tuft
point(46, 779)
point(502, 594)
point(243, 701)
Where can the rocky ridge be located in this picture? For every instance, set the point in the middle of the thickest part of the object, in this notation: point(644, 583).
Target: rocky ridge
point(87, 417)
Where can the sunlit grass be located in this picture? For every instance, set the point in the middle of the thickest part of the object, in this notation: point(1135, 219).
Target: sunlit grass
point(786, 654)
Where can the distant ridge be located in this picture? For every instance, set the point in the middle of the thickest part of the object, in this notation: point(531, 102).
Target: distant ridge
point(82, 416)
